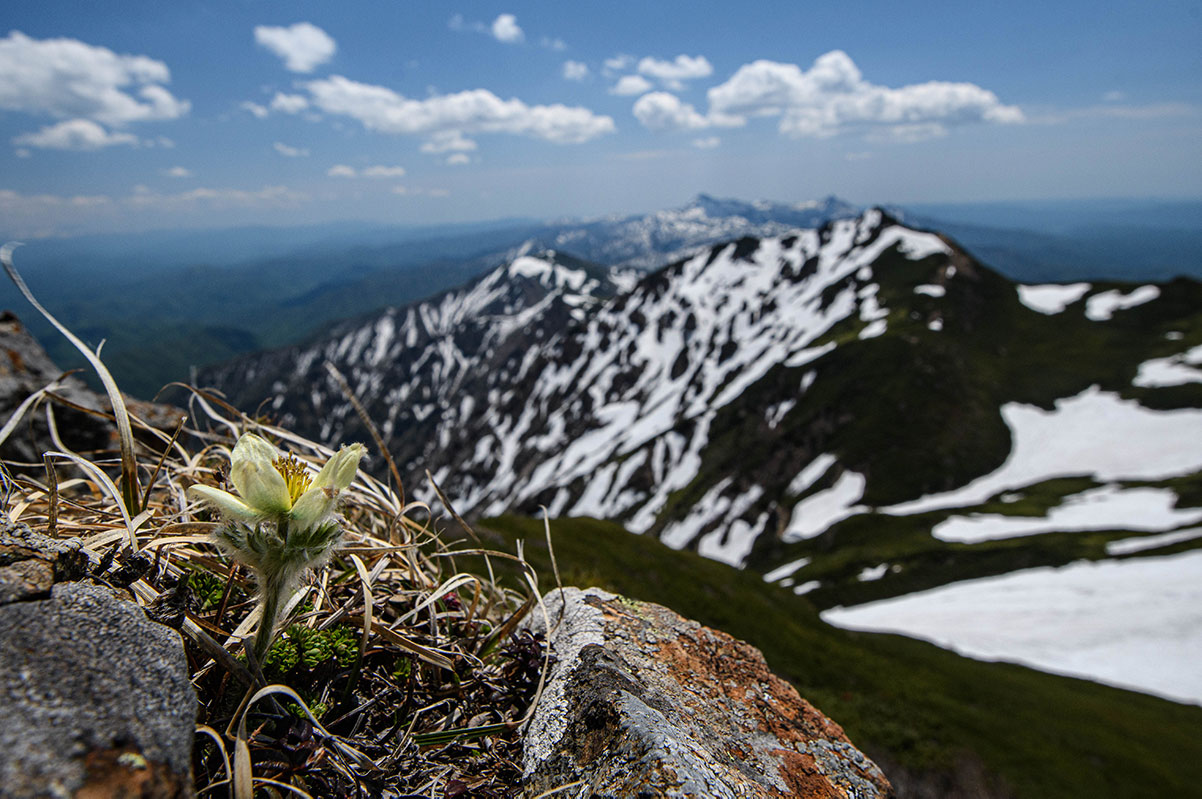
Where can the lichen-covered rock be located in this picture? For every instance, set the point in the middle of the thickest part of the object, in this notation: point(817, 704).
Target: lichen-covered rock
point(642, 702)
point(31, 563)
point(94, 699)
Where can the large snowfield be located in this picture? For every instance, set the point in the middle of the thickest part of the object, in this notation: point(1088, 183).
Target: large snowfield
point(1134, 623)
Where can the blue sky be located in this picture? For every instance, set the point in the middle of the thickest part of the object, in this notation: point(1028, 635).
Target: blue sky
point(124, 116)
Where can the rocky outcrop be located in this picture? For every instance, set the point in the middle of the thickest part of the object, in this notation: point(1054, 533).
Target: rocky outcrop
point(95, 699)
point(642, 702)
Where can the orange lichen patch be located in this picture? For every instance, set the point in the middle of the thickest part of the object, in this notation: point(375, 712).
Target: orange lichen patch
point(804, 778)
point(753, 721)
point(126, 774)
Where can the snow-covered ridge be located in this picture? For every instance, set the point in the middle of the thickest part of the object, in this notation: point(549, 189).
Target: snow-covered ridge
point(662, 361)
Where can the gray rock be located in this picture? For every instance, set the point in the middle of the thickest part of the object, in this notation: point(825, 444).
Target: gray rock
point(642, 702)
point(30, 562)
point(95, 699)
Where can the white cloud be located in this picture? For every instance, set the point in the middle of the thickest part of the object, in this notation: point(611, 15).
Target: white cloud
point(1114, 96)
point(290, 152)
point(477, 111)
point(673, 73)
point(556, 44)
point(618, 63)
point(268, 196)
point(74, 134)
point(575, 70)
point(177, 172)
point(632, 84)
point(289, 103)
point(303, 46)
point(259, 111)
point(707, 143)
point(663, 111)
point(833, 97)
point(505, 29)
point(379, 171)
point(457, 23)
point(69, 79)
point(383, 172)
point(458, 159)
point(447, 141)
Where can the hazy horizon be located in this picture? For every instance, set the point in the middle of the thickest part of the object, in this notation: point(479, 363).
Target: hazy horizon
point(142, 116)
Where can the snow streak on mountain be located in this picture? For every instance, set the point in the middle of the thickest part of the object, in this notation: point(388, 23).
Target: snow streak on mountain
point(753, 397)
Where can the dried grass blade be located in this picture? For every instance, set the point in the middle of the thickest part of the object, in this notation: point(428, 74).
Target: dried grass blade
point(15, 418)
point(425, 653)
point(106, 485)
point(368, 607)
point(129, 464)
point(216, 736)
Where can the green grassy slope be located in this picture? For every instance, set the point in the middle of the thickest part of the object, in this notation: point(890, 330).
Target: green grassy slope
point(921, 709)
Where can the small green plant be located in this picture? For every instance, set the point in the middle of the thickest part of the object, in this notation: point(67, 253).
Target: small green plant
point(283, 520)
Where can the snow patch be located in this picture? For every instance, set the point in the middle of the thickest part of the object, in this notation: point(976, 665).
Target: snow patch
point(1101, 307)
point(872, 573)
point(1095, 433)
point(1051, 299)
point(1129, 546)
point(1134, 623)
point(816, 513)
point(1176, 370)
point(786, 570)
point(1106, 508)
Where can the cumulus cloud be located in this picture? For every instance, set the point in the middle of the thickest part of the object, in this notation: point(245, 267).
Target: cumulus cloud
point(505, 29)
point(303, 47)
point(557, 44)
point(290, 152)
point(74, 134)
point(707, 143)
point(289, 103)
point(383, 172)
point(618, 63)
point(379, 171)
point(663, 111)
point(476, 111)
point(673, 73)
point(575, 70)
point(68, 79)
point(631, 84)
point(260, 112)
point(458, 159)
point(448, 141)
point(832, 97)
point(177, 172)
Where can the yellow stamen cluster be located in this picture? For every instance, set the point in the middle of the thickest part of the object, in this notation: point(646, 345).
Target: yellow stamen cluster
point(296, 476)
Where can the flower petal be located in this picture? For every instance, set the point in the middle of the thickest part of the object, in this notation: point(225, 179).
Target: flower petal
point(225, 503)
point(313, 508)
point(340, 469)
point(253, 473)
point(263, 488)
point(252, 447)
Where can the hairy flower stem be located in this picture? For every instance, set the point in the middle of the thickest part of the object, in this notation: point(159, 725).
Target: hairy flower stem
point(274, 588)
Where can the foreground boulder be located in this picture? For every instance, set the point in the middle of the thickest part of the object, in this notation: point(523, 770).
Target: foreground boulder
point(94, 698)
point(642, 702)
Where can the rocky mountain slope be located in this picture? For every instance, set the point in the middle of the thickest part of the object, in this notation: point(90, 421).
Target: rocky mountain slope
point(858, 411)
